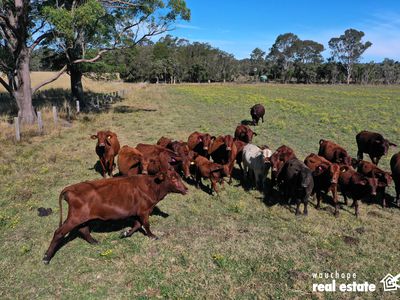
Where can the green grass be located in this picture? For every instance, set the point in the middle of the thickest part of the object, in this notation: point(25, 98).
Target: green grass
point(230, 246)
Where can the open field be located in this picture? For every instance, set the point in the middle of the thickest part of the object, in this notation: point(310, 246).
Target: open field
point(229, 246)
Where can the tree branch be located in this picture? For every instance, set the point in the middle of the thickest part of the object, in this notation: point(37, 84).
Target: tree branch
point(39, 40)
point(50, 80)
point(6, 85)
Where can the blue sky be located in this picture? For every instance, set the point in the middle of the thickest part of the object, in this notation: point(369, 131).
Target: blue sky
point(239, 26)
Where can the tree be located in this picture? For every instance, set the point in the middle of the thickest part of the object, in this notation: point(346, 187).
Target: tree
point(21, 31)
point(307, 56)
point(348, 49)
point(257, 59)
point(84, 30)
point(282, 54)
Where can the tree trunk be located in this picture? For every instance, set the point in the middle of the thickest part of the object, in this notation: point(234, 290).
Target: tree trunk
point(76, 84)
point(348, 73)
point(22, 91)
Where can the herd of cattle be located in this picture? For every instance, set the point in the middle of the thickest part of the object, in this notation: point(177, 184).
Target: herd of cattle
point(147, 173)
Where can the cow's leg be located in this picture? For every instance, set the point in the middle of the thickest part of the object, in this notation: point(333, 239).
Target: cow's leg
point(355, 204)
point(262, 118)
point(127, 233)
point(398, 195)
point(214, 185)
point(103, 167)
point(110, 166)
point(345, 199)
point(58, 235)
point(298, 201)
point(305, 202)
point(335, 200)
point(145, 222)
point(85, 232)
point(319, 196)
point(360, 155)
point(383, 198)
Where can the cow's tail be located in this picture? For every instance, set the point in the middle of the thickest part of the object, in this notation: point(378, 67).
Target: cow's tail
point(62, 194)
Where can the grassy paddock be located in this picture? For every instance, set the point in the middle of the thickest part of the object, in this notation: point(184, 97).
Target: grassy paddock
point(230, 246)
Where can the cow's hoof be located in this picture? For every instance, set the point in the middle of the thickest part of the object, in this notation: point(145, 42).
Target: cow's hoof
point(154, 237)
point(93, 241)
point(46, 260)
point(123, 234)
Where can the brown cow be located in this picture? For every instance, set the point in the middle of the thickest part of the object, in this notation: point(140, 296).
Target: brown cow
point(373, 144)
point(158, 156)
point(200, 143)
point(213, 171)
point(223, 151)
point(113, 199)
point(164, 142)
point(356, 186)
point(395, 167)
point(244, 133)
point(107, 148)
point(326, 176)
point(278, 159)
point(370, 170)
point(257, 111)
point(131, 161)
point(334, 153)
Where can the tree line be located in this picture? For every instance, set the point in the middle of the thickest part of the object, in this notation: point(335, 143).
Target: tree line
point(117, 36)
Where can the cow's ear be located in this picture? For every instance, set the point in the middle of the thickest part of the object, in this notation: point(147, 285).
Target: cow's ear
point(255, 134)
point(344, 169)
point(94, 137)
point(200, 139)
point(213, 138)
point(392, 144)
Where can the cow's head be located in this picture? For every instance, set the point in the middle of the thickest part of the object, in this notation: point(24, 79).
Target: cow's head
point(172, 181)
point(382, 145)
point(207, 140)
point(228, 141)
point(103, 138)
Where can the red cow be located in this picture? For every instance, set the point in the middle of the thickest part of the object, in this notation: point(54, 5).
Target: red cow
point(244, 133)
point(373, 144)
point(223, 151)
point(200, 143)
point(334, 153)
point(131, 161)
point(384, 179)
point(113, 199)
point(278, 159)
point(257, 111)
point(107, 148)
point(326, 176)
point(239, 149)
point(213, 171)
point(356, 186)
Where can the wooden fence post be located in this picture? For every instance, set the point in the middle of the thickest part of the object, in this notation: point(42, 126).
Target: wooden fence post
point(17, 132)
point(78, 109)
point(55, 117)
point(40, 122)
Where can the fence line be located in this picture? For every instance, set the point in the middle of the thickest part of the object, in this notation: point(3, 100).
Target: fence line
point(97, 102)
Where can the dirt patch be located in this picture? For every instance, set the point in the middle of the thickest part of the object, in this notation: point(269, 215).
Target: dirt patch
point(349, 240)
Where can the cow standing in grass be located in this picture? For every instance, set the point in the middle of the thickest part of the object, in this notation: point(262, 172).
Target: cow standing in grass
point(257, 112)
point(107, 148)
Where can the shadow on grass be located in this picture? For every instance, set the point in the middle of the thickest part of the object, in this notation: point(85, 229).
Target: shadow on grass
point(125, 109)
point(247, 122)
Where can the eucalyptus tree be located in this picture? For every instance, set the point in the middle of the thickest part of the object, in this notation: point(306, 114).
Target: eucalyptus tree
point(348, 49)
point(84, 30)
point(21, 31)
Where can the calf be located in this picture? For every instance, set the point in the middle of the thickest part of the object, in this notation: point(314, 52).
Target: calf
point(207, 169)
point(107, 148)
point(334, 153)
point(297, 183)
point(244, 133)
point(395, 167)
point(164, 142)
point(373, 144)
point(131, 161)
point(356, 186)
point(113, 199)
point(370, 170)
point(326, 176)
point(256, 163)
point(200, 143)
point(186, 155)
point(223, 151)
point(278, 159)
point(257, 111)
